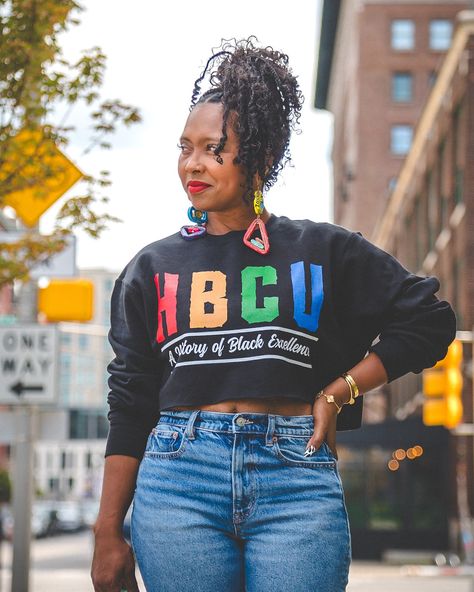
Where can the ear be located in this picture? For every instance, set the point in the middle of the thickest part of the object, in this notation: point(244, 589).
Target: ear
point(257, 179)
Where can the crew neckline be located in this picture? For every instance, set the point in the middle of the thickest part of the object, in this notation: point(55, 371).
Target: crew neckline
point(268, 224)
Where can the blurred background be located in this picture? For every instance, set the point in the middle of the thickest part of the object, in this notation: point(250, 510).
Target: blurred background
point(386, 148)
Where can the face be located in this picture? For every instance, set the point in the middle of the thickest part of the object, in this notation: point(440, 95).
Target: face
point(223, 185)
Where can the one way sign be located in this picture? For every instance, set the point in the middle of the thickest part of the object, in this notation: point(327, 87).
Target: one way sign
point(28, 364)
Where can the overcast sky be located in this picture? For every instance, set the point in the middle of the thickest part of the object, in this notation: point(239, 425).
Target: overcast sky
point(154, 54)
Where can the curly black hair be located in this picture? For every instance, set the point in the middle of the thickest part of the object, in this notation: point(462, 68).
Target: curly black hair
point(257, 85)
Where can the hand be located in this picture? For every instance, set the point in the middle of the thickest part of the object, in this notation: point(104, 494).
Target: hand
point(113, 565)
point(325, 417)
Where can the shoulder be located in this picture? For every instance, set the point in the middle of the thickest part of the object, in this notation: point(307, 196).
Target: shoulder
point(140, 267)
point(312, 229)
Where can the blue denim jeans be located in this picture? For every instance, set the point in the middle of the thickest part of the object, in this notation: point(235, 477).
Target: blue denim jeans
point(227, 502)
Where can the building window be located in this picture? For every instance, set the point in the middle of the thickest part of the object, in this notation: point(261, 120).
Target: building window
point(65, 338)
point(403, 34)
point(401, 138)
point(392, 183)
point(432, 78)
point(402, 87)
point(53, 484)
point(441, 32)
point(83, 341)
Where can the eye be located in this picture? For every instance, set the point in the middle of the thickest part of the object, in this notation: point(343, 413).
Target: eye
point(182, 148)
point(211, 147)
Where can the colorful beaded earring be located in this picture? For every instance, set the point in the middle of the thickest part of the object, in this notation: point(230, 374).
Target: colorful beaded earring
point(199, 228)
point(256, 236)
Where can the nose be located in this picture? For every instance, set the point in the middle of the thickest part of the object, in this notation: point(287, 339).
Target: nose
point(193, 163)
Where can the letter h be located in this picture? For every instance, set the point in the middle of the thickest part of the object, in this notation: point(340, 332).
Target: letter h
point(166, 305)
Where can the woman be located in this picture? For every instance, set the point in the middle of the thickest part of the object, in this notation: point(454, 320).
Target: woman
point(243, 342)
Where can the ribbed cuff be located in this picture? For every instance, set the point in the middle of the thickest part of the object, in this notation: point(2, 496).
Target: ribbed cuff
point(393, 361)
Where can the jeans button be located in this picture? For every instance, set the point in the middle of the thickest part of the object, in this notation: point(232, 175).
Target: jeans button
point(240, 421)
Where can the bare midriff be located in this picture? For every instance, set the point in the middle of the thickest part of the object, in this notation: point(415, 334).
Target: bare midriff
point(273, 405)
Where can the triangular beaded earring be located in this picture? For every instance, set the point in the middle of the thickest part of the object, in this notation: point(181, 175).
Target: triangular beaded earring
point(256, 236)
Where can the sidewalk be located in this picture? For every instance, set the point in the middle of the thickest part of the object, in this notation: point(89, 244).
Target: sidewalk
point(62, 564)
point(369, 576)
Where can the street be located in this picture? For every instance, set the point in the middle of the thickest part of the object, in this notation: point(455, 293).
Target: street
point(62, 563)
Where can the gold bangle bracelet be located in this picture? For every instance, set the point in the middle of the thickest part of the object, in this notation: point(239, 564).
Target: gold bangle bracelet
point(353, 387)
point(351, 400)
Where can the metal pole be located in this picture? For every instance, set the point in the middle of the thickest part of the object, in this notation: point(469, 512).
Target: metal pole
point(23, 457)
point(1, 546)
point(22, 497)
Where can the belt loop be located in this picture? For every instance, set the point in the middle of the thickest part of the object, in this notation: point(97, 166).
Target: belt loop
point(190, 425)
point(270, 431)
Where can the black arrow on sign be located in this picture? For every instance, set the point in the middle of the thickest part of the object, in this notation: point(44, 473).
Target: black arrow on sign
point(19, 388)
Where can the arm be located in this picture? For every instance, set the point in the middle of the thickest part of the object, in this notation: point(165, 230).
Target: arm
point(113, 565)
point(376, 296)
point(133, 402)
point(120, 473)
point(368, 374)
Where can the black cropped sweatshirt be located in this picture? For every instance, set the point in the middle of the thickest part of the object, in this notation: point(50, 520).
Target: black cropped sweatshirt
point(201, 321)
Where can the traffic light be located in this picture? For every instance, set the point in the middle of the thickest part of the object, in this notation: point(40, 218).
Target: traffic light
point(442, 388)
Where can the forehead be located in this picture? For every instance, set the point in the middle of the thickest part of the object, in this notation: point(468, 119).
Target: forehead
point(205, 121)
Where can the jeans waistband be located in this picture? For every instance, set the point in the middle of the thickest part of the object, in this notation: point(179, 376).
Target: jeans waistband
point(267, 424)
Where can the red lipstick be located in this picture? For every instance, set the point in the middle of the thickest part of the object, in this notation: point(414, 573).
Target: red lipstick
point(197, 186)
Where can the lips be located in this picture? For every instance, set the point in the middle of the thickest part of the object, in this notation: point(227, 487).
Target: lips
point(197, 186)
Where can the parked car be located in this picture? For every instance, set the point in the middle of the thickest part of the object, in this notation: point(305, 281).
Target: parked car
point(68, 517)
point(42, 520)
point(6, 518)
point(90, 509)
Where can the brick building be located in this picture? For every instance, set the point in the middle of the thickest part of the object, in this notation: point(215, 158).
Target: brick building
point(399, 79)
point(380, 59)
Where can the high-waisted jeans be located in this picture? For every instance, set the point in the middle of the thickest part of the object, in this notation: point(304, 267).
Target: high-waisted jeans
point(227, 502)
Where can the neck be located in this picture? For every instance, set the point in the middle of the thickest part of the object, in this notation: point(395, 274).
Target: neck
point(223, 222)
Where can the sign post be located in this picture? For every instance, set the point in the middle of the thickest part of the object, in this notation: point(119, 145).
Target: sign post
point(28, 361)
point(28, 353)
point(23, 495)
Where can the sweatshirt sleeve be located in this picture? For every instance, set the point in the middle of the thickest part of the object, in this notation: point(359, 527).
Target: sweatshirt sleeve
point(134, 375)
point(377, 296)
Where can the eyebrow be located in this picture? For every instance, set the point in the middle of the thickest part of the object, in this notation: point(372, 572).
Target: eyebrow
point(209, 138)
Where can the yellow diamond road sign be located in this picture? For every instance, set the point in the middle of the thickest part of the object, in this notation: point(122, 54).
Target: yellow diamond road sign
point(37, 174)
